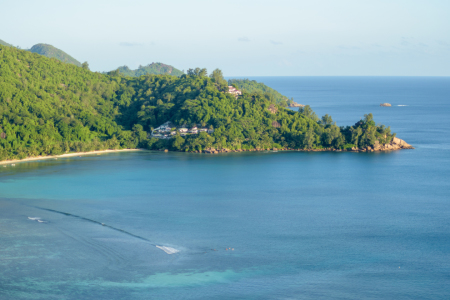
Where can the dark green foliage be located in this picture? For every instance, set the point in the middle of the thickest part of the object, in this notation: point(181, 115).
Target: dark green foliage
point(85, 65)
point(251, 86)
point(365, 133)
point(49, 107)
point(151, 69)
point(53, 52)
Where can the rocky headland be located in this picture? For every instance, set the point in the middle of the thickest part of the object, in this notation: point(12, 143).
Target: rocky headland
point(395, 144)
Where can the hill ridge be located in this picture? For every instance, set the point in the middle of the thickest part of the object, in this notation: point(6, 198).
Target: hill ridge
point(157, 68)
point(53, 52)
point(5, 43)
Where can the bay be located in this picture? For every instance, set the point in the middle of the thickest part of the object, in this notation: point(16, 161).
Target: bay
point(302, 225)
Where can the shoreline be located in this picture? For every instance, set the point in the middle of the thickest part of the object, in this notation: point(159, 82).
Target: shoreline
point(396, 144)
point(214, 151)
point(5, 162)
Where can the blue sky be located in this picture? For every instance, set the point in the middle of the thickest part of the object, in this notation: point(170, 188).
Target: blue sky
point(243, 38)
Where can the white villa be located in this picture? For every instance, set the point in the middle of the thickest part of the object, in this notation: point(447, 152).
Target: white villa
point(234, 91)
point(165, 131)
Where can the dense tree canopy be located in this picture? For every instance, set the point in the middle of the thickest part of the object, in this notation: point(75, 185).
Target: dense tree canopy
point(49, 107)
point(252, 86)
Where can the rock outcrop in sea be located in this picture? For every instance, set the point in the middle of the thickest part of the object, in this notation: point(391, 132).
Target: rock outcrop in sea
point(295, 104)
point(395, 144)
point(385, 104)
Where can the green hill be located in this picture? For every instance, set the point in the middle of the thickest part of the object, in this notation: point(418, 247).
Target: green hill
point(151, 69)
point(5, 43)
point(53, 52)
point(252, 86)
point(50, 107)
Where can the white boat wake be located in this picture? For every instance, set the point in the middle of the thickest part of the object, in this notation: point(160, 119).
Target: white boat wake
point(402, 105)
point(168, 250)
point(36, 219)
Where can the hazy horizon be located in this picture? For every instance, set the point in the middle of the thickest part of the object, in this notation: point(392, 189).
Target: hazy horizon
point(243, 38)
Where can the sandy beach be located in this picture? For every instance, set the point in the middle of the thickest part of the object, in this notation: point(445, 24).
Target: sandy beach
point(5, 162)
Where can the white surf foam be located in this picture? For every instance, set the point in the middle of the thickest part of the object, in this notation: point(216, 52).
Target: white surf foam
point(402, 105)
point(40, 221)
point(34, 218)
point(168, 250)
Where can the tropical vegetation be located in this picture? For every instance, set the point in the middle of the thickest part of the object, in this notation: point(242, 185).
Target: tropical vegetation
point(252, 86)
point(50, 107)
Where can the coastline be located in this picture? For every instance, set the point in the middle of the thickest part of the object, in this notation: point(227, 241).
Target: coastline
point(396, 144)
point(4, 162)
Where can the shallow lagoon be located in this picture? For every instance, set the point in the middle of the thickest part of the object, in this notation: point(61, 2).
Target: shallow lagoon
point(302, 225)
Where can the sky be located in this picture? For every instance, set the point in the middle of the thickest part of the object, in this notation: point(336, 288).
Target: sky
point(242, 38)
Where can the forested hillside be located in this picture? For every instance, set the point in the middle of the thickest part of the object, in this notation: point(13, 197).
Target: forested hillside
point(151, 69)
point(252, 86)
point(5, 43)
point(53, 52)
point(49, 107)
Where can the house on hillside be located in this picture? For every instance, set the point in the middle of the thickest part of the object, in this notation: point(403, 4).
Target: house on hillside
point(183, 130)
point(203, 129)
point(165, 127)
point(234, 91)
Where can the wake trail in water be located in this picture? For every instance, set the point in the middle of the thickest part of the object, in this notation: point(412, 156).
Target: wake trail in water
point(168, 250)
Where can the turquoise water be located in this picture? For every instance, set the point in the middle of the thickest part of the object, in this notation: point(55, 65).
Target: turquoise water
point(302, 225)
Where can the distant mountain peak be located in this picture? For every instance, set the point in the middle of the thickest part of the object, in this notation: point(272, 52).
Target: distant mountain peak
point(153, 69)
point(53, 52)
point(5, 43)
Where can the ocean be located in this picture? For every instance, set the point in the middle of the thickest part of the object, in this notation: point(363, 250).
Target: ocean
point(252, 225)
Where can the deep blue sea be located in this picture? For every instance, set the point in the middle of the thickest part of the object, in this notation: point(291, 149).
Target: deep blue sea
point(302, 225)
